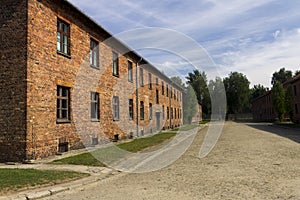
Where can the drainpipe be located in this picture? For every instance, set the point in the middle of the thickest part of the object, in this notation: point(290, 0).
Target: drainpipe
point(137, 96)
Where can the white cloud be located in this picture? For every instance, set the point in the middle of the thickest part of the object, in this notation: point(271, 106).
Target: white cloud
point(259, 60)
point(252, 36)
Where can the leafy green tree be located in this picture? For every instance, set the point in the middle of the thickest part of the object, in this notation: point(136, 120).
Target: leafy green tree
point(218, 98)
point(189, 105)
point(282, 75)
point(297, 72)
point(257, 91)
point(279, 100)
point(178, 81)
point(198, 80)
point(237, 93)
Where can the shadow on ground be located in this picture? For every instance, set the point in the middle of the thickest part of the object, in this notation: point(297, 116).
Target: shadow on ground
point(290, 133)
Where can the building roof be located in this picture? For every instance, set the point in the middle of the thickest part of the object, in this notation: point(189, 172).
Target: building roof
point(126, 48)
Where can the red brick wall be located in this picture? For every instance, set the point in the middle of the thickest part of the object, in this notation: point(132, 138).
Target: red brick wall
point(47, 69)
point(262, 108)
point(296, 99)
point(13, 55)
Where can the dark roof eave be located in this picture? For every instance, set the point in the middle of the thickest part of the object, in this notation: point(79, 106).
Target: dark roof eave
point(129, 50)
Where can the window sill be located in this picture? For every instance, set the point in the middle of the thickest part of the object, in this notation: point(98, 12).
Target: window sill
point(95, 120)
point(130, 81)
point(95, 67)
point(116, 75)
point(63, 121)
point(116, 120)
point(63, 54)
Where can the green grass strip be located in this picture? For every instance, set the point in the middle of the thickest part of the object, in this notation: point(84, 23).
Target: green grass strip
point(16, 179)
point(134, 146)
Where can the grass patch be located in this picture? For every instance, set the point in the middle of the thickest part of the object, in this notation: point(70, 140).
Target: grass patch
point(82, 159)
point(108, 153)
point(143, 143)
point(187, 127)
point(205, 121)
point(290, 125)
point(17, 179)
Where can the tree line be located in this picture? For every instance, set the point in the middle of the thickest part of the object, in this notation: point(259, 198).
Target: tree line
point(235, 89)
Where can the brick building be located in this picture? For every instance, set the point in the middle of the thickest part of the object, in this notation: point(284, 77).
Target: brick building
point(295, 83)
point(262, 107)
point(198, 115)
point(65, 83)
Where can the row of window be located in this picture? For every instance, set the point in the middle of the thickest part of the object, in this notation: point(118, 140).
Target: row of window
point(63, 47)
point(63, 107)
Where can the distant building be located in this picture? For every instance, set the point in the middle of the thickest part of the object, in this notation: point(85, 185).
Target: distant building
point(296, 98)
point(262, 107)
point(63, 87)
point(198, 116)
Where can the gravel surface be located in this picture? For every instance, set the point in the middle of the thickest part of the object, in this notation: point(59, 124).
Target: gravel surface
point(250, 161)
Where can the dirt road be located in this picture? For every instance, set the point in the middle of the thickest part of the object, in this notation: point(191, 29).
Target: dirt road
point(250, 161)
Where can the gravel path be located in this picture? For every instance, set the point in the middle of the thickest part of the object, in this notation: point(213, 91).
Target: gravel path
point(250, 161)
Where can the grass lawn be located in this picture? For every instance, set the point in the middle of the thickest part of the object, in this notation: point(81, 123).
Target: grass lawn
point(134, 146)
point(16, 179)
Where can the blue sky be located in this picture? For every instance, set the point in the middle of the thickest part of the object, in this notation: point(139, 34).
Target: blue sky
point(254, 37)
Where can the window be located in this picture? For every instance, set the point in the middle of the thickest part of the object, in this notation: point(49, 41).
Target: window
point(174, 95)
point(163, 112)
point(175, 113)
point(115, 64)
point(168, 113)
point(167, 90)
point(116, 111)
point(295, 90)
point(94, 53)
point(131, 109)
point(157, 97)
point(156, 81)
point(171, 113)
point(95, 106)
point(141, 77)
point(63, 104)
point(141, 110)
point(150, 81)
point(63, 37)
point(171, 92)
point(162, 88)
point(130, 72)
point(296, 108)
point(150, 111)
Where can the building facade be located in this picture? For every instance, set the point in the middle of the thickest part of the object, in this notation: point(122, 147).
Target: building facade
point(295, 86)
point(67, 83)
point(262, 107)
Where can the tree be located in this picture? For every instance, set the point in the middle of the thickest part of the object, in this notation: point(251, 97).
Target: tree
point(279, 100)
point(282, 75)
point(237, 93)
point(297, 72)
point(198, 81)
point(189, 105)
point(218, 98)
point(178, 81)
point(257, 91)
